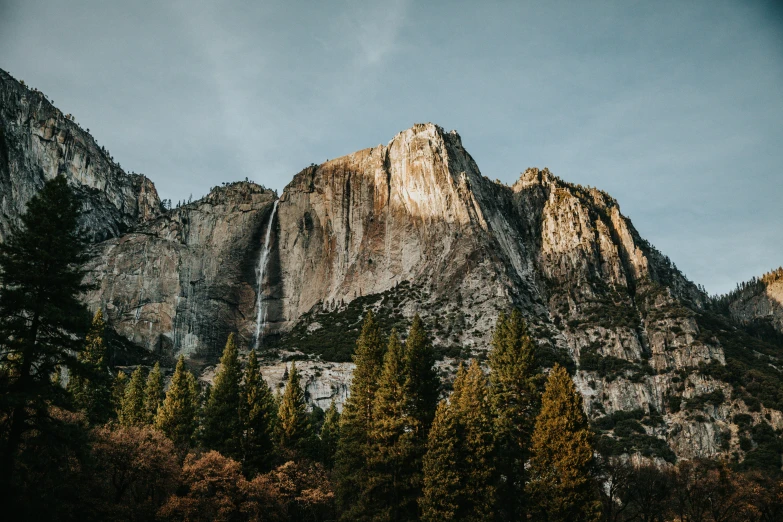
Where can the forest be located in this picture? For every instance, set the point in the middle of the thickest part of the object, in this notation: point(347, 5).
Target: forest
point(507, 440)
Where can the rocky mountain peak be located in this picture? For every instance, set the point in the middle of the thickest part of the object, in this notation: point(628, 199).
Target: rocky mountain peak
point(39, 142)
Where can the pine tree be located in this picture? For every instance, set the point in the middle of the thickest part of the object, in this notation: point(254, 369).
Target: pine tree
point(560, 486)
point(222, 430)
point(118, 388)
point(458, 468)
point(132, 412)
point(330, 436)
point(177, 416)
point(514, 398)
point(42, 321)
point(90, 382)
point(294, 431)
point(391, 489)
point(356, 419)
point(423, 384)
point(258, 413)
point(153, 394)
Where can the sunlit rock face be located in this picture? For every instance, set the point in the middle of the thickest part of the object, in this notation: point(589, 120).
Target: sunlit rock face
point(759, 301)
point(39, 142)
point(403, 228)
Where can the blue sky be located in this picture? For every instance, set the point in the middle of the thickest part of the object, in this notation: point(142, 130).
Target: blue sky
point(674, 108)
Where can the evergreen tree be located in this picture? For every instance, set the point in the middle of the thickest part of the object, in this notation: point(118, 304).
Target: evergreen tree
point(352, 447)
point(258, 412)
point(222, 430)
point(118, 388)
point(423, 384)
point(458, 468)
point(132, 412)
point(90, 384)
point(391, 489)
point(560, 486)
point(294, 431)
point(153, 394)
point(514, 398)
point(330, 436)
point(42, 321)
point(177, 416)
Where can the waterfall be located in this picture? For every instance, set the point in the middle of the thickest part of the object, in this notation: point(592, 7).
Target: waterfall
point(260, 270)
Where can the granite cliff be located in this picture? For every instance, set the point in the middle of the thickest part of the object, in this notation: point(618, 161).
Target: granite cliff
point(39, 142)
point(414, 227)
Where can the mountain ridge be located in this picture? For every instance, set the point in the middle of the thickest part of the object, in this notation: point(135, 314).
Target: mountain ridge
point(414, 227)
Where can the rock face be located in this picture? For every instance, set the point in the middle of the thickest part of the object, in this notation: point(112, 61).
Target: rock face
point(413, 227)
point(183, 281)
point(38, 142)
point(759, 300)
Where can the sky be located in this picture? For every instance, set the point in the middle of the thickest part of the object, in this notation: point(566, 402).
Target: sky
point(673, 108)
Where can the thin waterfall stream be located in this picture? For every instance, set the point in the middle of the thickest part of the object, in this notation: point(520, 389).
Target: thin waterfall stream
point(261, 270)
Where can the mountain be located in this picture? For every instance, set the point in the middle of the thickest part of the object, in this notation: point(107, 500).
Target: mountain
point(38, 142)
point(413, 227)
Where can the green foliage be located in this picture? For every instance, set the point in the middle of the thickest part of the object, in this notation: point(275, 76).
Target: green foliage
point(750, 362)
point(118, 388)
point(90, 382)
point(177, 417)
point(258, 416)
point(562, 455)
point(459, 467)
point(220, 426)
point(340, 328)
point(514, 399)
point(330, 436)
point(153, 394)
point(610, 368)
point(714, 398)
point(294, 431)
point(132, 412)
point(422, 384)
point(393, 482)
point(42, 320)
point(358, 413)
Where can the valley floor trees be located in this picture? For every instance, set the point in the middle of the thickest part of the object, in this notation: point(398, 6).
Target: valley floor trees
point(496, 448)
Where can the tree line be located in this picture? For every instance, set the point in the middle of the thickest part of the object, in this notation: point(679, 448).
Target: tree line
point(80, 440)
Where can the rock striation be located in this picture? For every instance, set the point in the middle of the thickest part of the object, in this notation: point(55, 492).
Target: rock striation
point(39, 142)
point(414, 227)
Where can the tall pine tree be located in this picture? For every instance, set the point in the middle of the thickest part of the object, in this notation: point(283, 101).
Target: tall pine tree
point(42, 321)
point(132, 412)
point(258, 415)
point(514, 398)
point(391, 489)
point(459, 475)
point(294, 431)
point(221, 428)
point(177, 416)
point(330, 436)
point(356, 419)
point(153, 394)
point(90, 382)
point(561, 486)
point(423, 384)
